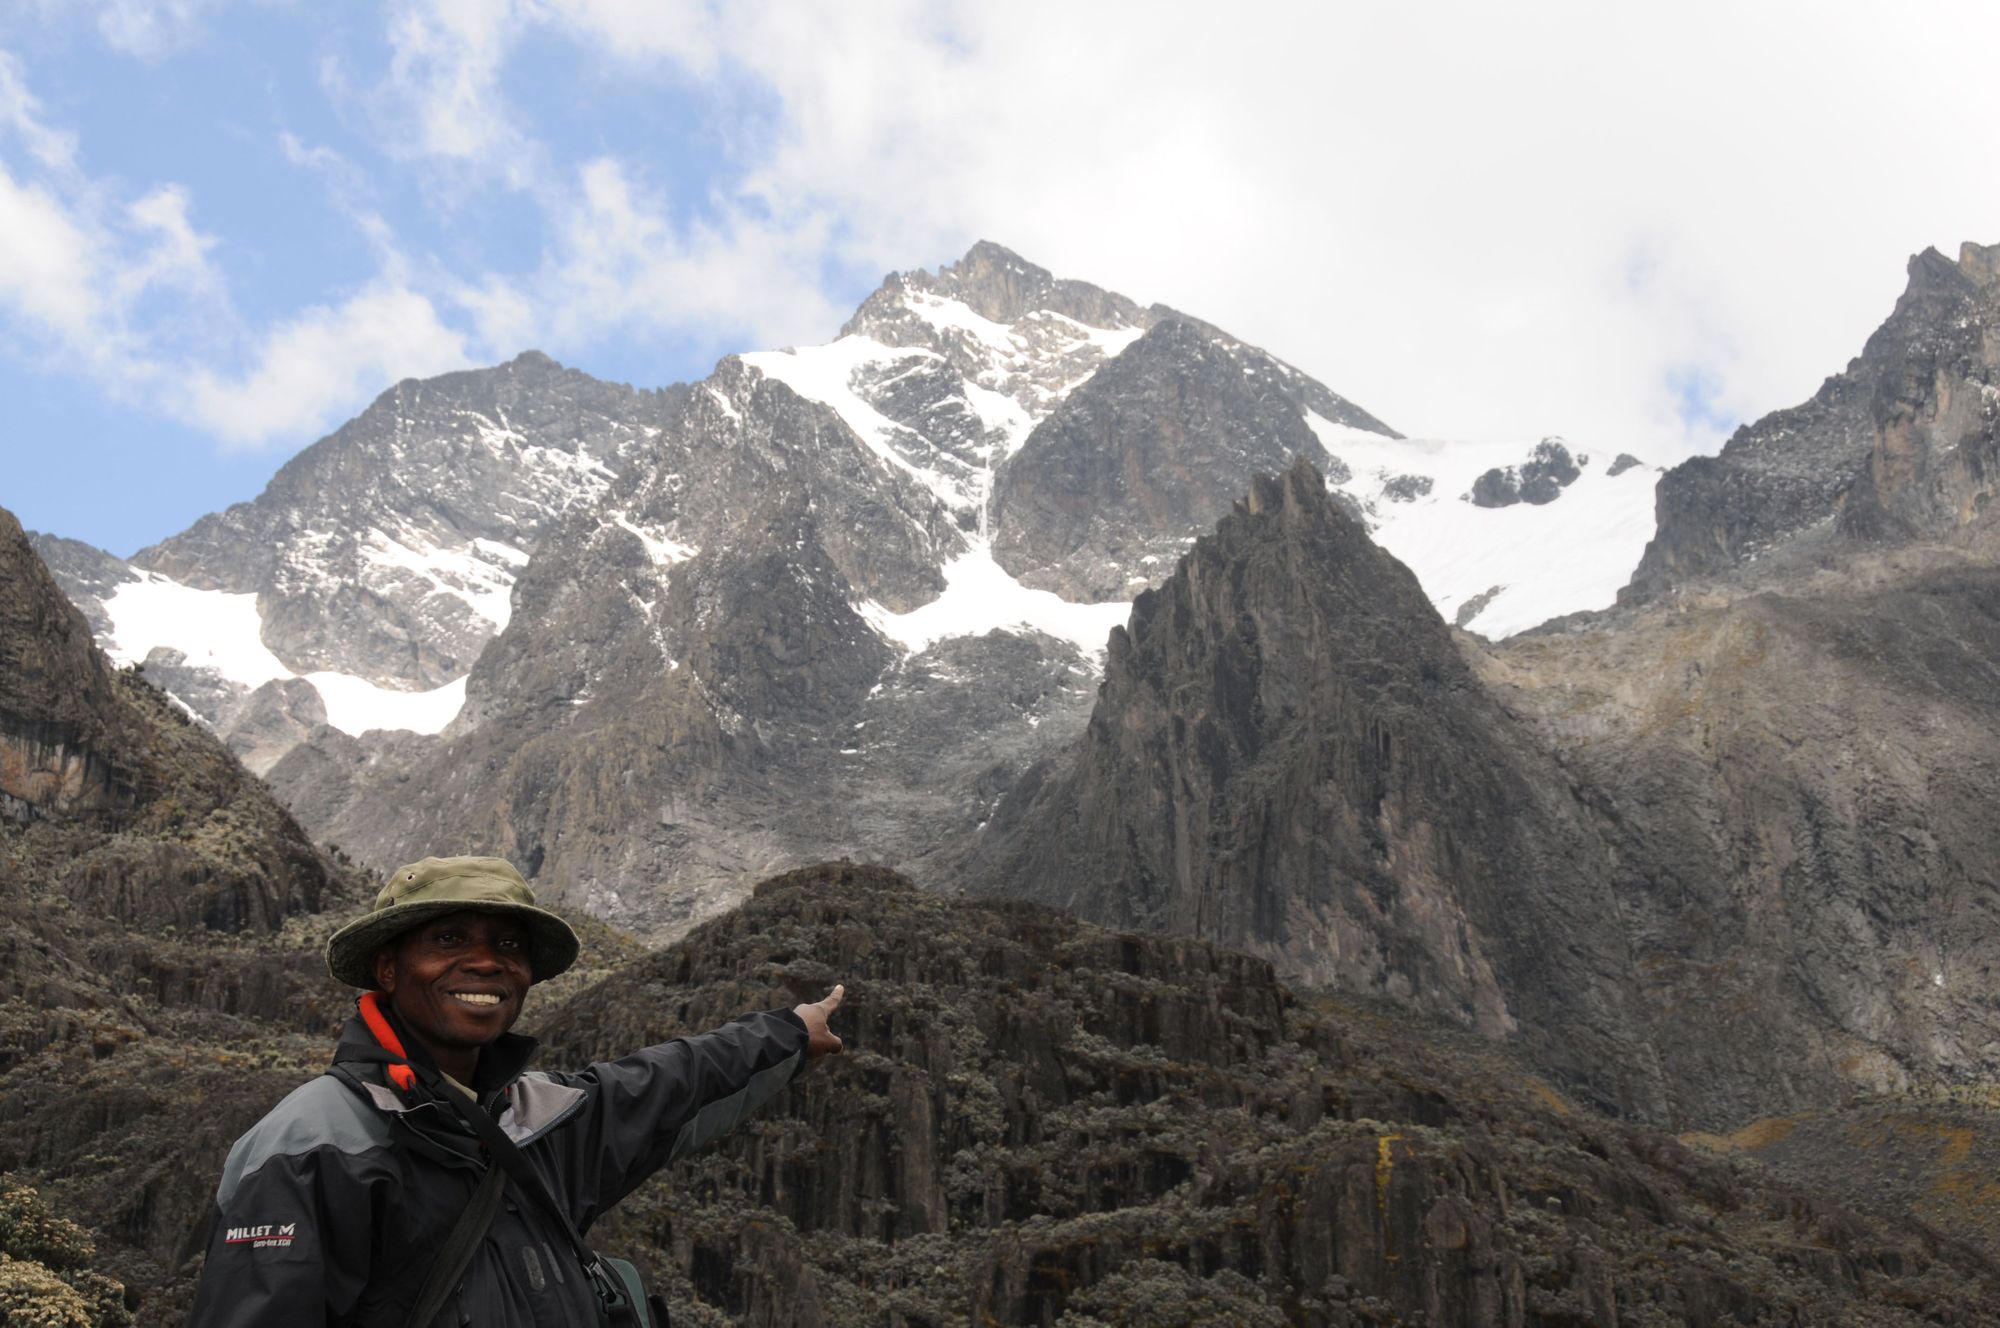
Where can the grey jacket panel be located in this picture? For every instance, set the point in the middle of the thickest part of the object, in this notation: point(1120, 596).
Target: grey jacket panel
point(321, 1113)
point(725, 1114)
point(341, 1194)
point(537, 1105)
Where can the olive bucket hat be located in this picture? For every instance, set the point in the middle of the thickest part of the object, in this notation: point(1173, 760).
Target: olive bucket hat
point(437, 886)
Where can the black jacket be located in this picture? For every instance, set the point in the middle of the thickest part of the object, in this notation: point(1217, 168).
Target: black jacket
point(341, 1196)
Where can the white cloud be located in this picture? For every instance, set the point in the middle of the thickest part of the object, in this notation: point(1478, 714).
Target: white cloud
point(1434, 208)
point(318, 365)
point(1475, 220)
point(75, 264)
point(125, 293)
point(623, 260)
point(151, 29)
point(20, 116)
point(442, 98)
point(178, 255)
point(49, 264)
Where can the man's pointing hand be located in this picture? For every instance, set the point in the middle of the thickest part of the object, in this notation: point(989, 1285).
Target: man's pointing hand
point(824, 1042)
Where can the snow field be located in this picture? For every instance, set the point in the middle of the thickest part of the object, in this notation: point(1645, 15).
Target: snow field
point(222, 631)
point(980, 595)
point(1572, 554)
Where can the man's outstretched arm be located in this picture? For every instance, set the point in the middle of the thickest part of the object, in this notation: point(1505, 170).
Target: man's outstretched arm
point(667, 1101)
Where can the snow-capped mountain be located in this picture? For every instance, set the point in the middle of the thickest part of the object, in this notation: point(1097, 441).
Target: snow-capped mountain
point(984, 448)
point(378, 562)
point(1722, 852)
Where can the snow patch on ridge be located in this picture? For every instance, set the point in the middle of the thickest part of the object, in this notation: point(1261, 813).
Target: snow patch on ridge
point(484, 583)
point(1561, 557)
point(980, 596)
point(944, 315)
point(662, 548)
point(826, 373)
point(219, 630)
point(1000, 412)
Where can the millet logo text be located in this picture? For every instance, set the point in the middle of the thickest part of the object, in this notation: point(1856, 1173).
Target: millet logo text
point(258, 1238)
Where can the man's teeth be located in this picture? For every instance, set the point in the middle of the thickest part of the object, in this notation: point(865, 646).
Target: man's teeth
point(476, 997)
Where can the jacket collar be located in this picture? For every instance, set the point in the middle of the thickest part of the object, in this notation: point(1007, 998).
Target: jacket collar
point(526, 1105)
point(500, 1061)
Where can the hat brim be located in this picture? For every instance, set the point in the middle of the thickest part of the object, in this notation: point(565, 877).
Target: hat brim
point(350, 955)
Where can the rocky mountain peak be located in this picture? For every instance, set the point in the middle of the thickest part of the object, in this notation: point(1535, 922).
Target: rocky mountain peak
point(1114, 484)
point(1931, 270)
point(1901, 445)
point(381, 559)
point(1289, 755)
point(1000, 286)
point(533, 361)
point(1980, 263)
point(1295, 495)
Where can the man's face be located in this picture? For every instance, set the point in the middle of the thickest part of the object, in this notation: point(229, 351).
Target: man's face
point(457, 981)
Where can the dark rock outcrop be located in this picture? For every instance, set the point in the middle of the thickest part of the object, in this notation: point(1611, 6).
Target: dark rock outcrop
point(1540, 479)
point(1289, 755)
point(1038, 1122)
point(1901, 445)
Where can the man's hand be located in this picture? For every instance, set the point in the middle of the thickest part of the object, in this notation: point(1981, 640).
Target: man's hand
point(824, 1042)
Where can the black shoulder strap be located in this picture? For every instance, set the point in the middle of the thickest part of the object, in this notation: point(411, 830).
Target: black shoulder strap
point(612, 1293)
point(508, 1155)
point(457, 1250)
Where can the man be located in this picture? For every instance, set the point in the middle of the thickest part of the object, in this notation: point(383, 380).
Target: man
point(347, 1194)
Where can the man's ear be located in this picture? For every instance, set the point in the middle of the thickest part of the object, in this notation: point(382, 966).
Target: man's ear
point(385, 970)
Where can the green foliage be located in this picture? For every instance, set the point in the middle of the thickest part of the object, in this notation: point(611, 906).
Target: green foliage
point(33, 1297)
point(29, 1231)
point(44, 1281)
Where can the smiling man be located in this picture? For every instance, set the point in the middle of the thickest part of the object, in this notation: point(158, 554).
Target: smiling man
point(429, 1176)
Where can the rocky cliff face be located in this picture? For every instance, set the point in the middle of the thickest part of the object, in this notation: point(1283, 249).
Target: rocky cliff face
point(1765, 861)
point(1900, 446)
point(115, 801)
point(1289, 754)
point(1798, 808)
point(160, 917)
point(1107, 491)
point(1038, 1122)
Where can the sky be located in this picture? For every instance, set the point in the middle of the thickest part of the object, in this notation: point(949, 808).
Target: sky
point(226, 225)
